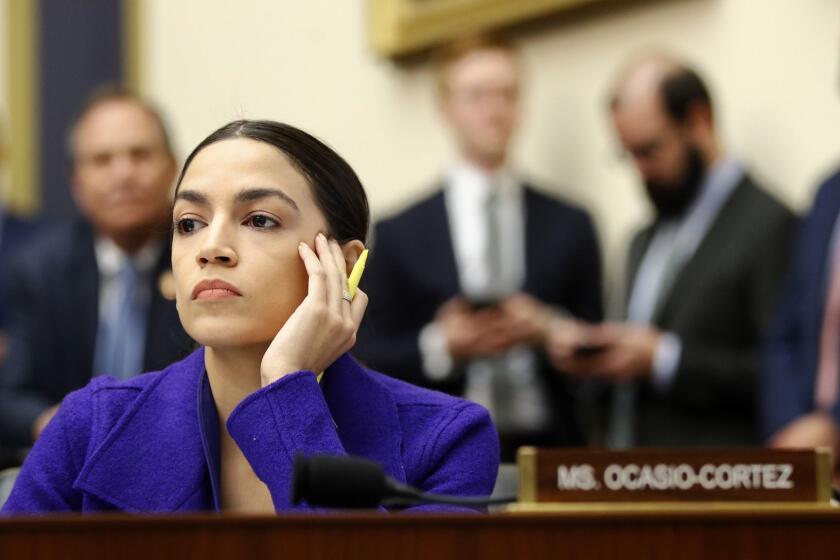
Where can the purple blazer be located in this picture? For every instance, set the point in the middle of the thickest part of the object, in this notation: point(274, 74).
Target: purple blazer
point(151, 443)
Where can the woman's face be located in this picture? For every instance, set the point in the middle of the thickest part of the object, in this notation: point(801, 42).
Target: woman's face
point(240, 213)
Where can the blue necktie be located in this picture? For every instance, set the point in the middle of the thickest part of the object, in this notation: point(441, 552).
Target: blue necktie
point(121, 337)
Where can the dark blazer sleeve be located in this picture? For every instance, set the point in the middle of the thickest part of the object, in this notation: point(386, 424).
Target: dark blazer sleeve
point(587, 296)
point(20, 399)
point(781, 392)
point(388, 339)
point(726, 373)
point(790, 355)
point(15, 232)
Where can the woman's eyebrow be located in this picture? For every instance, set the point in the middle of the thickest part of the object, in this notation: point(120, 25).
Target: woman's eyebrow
point(192, 196)
point(250, 195)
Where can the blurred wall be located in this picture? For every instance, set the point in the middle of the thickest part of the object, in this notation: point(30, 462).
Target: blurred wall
point(774, 67)
point(4, 97)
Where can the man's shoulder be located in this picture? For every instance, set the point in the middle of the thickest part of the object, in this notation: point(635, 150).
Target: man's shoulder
point(52, 245)
point(15, 226)
point(832, 181)
point(827, 197)
point(753, 199)
point(410, 226)
point(540, 199)
point(417, 211)
point(550, 199)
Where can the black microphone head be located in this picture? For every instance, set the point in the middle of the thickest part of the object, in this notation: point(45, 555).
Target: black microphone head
point(338, 482)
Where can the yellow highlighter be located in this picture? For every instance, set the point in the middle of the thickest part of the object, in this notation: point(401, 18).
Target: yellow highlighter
point(353, 282)
point(356, 273)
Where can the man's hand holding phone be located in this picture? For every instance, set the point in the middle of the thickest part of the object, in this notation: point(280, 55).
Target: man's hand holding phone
point(570, 338)
point(479, 328)
point(615, 351)
point(472, 330)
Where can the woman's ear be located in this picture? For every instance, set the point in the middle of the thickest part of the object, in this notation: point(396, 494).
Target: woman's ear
point(351, 251)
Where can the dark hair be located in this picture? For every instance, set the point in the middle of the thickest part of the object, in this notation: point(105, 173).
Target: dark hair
point(108, 93)
point(337, 189)
point(682, 89)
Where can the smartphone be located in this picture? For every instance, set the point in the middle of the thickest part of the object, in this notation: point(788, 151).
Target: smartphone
point(478, 304)
point(589, 349)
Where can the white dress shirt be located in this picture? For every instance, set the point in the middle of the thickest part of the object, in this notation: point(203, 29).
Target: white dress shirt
point(466, 195)
point(110, 260)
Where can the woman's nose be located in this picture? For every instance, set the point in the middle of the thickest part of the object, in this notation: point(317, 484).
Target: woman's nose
point(216, 250)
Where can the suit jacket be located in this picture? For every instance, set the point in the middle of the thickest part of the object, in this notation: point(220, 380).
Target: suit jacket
point(151, 443)
point(792, 352)
point(53, 299)
point(15, 232)
point(720, 306)
point(412, 272)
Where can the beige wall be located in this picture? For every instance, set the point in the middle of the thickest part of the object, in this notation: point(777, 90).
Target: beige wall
point(4, 95)
point(774, 66)
point(4, 59)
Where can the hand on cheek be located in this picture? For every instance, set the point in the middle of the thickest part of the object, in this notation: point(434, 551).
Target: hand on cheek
point(324, 325)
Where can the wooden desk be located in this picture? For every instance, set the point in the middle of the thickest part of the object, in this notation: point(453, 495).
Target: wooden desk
point(595, 532)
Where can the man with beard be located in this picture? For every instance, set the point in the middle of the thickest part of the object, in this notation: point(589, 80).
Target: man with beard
point(703, 277)
point(85, 298)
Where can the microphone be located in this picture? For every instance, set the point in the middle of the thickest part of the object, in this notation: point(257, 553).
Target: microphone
point(348, 482)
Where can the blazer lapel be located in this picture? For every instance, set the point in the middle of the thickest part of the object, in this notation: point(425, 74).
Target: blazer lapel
point(535, 250)
point(692, 271)
point(638, 248)
point(152, 459)
point(365, 414)
point(435, 246)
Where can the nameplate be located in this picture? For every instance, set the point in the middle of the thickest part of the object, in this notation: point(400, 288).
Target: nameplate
point(674, 475)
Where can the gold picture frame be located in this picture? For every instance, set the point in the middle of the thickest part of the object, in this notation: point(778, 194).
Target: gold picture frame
point(401, 27)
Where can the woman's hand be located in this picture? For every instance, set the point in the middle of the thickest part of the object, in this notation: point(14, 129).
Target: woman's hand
point(324, 325)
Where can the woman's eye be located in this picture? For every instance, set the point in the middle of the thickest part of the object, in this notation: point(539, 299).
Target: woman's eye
point(260, 221)
point(187, 225)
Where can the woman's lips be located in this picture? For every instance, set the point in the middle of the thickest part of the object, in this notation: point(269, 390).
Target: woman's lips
point(214, 290)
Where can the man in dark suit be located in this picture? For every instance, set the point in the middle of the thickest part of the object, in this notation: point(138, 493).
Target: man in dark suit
point(800, 405)
point(13, 232)
point(85, 298)
point(464, 283)
point(703, 277)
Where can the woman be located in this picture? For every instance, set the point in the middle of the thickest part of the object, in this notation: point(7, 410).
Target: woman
point(267, 222)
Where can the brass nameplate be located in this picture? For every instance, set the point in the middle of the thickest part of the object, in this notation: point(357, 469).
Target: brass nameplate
point(674, 475)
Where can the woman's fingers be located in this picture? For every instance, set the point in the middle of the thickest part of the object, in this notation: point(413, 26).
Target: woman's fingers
point(317, 276)
point(338, 258)
point(341, 265)
point(332, 278)
point(328, 284)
